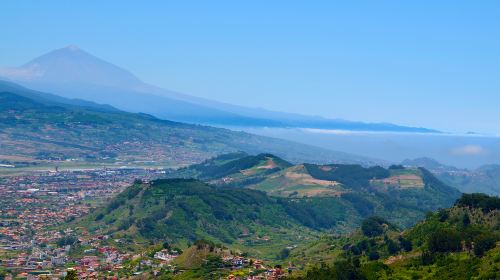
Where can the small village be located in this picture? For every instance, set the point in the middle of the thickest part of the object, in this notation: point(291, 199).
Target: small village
point(90, 259)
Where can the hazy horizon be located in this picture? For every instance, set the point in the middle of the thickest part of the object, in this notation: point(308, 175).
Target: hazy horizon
point(420, 64)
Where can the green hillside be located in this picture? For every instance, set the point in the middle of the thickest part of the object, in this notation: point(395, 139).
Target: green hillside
point(181, 211)
point(367, 189)
point(461, 242)
point(235, 164)
point(242, 209)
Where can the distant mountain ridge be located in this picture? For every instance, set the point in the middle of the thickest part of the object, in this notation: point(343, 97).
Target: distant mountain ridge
point(74, 73)
point(485, 179)
point(42, 128)
point(428, 163)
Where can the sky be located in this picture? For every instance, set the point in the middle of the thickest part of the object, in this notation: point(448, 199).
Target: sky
point(432, 64)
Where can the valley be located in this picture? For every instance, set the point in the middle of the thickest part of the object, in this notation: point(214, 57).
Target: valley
point(93, 190)
point(253, 207)
point(295, 140)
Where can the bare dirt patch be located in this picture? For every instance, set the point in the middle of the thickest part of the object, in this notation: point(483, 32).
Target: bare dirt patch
point(270, 164)
point(300, 177)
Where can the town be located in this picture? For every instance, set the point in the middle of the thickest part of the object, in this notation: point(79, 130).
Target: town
point(35, 204)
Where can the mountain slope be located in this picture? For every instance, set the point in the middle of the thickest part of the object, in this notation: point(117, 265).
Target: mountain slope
point(74, 73)
point(36, 128)
point(51, 99)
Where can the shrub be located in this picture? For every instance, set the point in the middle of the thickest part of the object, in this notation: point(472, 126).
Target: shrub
point(284, 254)
point(392, 247)
point(99, 216)
point(373, 226)
point(479, 200)
point(483, 243)
point(444, 240)
point(405, 244)
point(427, 258)
point(373, 256)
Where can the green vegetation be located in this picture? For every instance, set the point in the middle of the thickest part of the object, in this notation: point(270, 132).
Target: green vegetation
point(180, 211)
point(481, 201)
point(443, 246)
point(354, 176)
point(233, 163)
point(375, 226)
point(71, 275)
point(309, 231)
point(348, 193)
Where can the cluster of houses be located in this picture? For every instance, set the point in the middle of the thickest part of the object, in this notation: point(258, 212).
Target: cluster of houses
point(257, 269)
point(49, 262)
point(166, 256)
point(34, 203)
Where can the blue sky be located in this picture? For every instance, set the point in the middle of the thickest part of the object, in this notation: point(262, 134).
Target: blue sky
point(424, 63)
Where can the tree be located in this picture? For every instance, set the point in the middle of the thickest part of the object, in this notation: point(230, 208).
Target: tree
point(405, 244)
point(443, 215)
point(284, 254)
point(444, 240)
point(373, 255)
point(66, 240)
point(427, 258)
point(373, 226)
point(71, 275)
point(342, 270)
point(396, 167)
point(466, 220)
point(3, 273)
point(392, 247)
point(483, 243)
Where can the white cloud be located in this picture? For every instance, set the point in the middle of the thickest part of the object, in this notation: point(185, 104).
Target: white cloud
point(468, 150)
point(330, 131)
point(21, 73)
